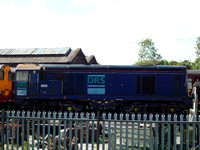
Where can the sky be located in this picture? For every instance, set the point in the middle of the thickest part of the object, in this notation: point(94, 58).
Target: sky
point(108, 29)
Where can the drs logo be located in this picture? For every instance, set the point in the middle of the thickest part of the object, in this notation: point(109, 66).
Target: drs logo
point(96, 79)
point(96, 84)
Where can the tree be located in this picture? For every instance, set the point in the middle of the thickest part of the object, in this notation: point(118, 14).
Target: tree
point(198, 47)
point(148, 53)
point(187, 63)
point(197, 61)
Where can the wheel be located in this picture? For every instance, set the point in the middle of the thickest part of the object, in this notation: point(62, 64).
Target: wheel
point(128, 107)
point(77, 107)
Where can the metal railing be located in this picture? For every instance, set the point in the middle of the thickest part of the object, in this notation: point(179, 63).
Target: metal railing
point(41, 130)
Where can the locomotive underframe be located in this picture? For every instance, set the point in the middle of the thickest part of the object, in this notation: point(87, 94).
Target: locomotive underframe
point(105, 105)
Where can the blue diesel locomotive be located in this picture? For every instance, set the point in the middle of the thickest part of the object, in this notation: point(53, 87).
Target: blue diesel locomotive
point(120, 88)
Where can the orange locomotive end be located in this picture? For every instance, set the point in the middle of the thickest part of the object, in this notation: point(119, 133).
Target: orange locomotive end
point(5, 84)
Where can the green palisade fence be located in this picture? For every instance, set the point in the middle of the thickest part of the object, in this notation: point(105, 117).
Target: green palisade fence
point(88, 131)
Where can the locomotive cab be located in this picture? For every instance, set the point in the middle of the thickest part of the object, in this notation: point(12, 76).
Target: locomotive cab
point(31, 89)
point(5, 84)
point(27, 80)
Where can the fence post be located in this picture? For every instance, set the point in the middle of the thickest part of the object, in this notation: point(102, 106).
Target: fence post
point(98, 130)
point(2, 129)
point(103, 128)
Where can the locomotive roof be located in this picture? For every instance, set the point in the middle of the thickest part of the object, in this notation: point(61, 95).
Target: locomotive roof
point(11, 68)
point(114, 67)
point(193, 72)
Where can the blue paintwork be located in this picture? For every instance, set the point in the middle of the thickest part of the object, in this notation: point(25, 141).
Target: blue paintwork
point(34, 82)
point(51, 88)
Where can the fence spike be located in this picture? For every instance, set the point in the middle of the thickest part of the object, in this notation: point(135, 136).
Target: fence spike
point(82, 114)
point(33, 114)
point(121, 116)
point(54, 114)
point(163, 117)
point(109, 116)
point(127, 116)
point(157, 117)
point(18, 112)
point(87, 115)
point(169, 117)
point(59, 114)
point(13, 113)
point(49, 114)
point(43, 114)
point(133, 116)
point(175, 117)
point(187, 117)
point(194, 118)
point(23, 112)
point(151, 117)
point(76, 115)
point(93, 115)
point(70, 115)
point(145, 117)
point(65, 115)
point(115, 116)
point(38, 113)
point(104, 116)
point(139, 117)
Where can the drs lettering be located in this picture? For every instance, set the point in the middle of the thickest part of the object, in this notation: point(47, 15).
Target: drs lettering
point(96, 79)
point(21, 85)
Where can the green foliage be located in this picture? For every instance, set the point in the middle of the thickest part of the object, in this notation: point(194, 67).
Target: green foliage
point(148, 53)
point(163, 62)
point(197, 61)
point(198, 47)
point(189, 65)
point(197, 64)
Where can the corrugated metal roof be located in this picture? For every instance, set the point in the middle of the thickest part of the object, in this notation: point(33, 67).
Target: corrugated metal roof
point(36, 51)
point(28, 59)
point(75, 57)
point(64, 55)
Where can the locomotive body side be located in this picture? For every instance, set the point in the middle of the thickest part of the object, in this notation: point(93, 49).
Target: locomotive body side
point(123, 88)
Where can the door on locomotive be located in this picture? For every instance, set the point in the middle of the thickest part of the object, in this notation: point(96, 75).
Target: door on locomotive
point(5, 84)
point(34, 77)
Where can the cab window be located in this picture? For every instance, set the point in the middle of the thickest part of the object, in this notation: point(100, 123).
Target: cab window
point(22, 76)
point(9, 76)
point(1, 75)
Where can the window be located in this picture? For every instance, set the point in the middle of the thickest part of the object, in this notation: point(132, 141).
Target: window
point(1, 75)
point(9, 76)
point(22, 76)
point(145, 85)
point(189, 80)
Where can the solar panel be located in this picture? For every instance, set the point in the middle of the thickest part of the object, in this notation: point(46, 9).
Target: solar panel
point(1, 51)
point(36, 51)
point(8, 51)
